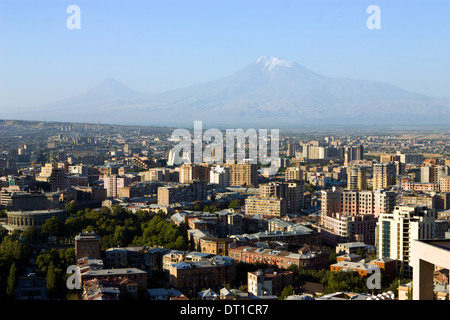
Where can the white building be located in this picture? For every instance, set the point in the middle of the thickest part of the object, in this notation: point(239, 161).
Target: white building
point(395, 232)
point(220, 175)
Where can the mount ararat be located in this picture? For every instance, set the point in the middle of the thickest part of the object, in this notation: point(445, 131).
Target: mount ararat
point(269, 92)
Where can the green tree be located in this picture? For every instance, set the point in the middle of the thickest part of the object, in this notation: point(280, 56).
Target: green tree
point(13, 251)
point(243, 288)
point(72, 208)
point(287, 291)
point(51, 281)
point(236, 203)
point(52, 227)
point(11, 282)
point(30, 234)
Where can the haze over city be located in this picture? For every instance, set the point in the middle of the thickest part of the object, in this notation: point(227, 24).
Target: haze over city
point(155, 47)
point(210, 157)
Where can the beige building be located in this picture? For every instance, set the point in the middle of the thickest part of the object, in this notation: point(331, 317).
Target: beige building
point(293, 173)
point(194, 191)
point(267, 283)
point(212, 273)
point(425, 256)
point(444, 184)
point(243, 174)
point(383, 175)
point(291, 191)
point(191, 172)
point(271, 206)
point(357, 178)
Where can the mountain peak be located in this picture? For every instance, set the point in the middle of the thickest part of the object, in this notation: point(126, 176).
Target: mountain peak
point(269, 63)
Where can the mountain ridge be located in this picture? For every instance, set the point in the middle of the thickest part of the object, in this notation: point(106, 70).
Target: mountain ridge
point(267, 90)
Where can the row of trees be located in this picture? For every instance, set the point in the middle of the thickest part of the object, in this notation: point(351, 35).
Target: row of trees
point(14, 255)
point(118, 227)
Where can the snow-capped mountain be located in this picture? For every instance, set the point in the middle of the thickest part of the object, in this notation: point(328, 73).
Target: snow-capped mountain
point(269, 91)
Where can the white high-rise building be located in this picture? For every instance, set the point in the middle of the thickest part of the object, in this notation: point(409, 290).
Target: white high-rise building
point(395, 232)
point(220, 175)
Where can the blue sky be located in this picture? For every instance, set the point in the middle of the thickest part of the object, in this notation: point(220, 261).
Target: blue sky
point(155, 46)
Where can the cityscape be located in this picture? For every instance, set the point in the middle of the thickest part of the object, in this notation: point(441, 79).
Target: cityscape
point(271, 183)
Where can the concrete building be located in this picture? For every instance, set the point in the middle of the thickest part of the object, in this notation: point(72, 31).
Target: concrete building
point(384, 175)
point(243, 174)
point(425, 256)
point(444, 183)
point(87, 245)
point(356, 202)
point(307, 257)
point(395, 232)
point(410, 157)
point(114, 183)
point(270, 206)
point(120, 274)
point(14, 199)
point(291, 191)
point(344, 228)
point(194, 172)
point(24, 220)
point(356, 178)
point(213, 273)
point(220, 175)
point(268, 283)
point(194, 191)
point(293, 173)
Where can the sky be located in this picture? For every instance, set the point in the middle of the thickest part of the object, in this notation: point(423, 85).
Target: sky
point(155, 46)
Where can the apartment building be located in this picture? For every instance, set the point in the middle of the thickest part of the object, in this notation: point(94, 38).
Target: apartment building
point(113, 183)
point(212, 273)
point(356, 202)
point(384, 175)
point(194, 172)
point(194, 191)
point(268, 283)
point(270, 206)
point(395, 232)
point(356, 178)
point(243, 174)
point(291, 191)
point(293, 173)
point(307, 257)
point(87, 244)
point(220, 175)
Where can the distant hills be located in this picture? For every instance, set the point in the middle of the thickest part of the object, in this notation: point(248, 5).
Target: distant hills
point(268, 92)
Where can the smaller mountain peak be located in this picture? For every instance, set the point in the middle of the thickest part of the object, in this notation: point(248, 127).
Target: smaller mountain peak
point(269, 63)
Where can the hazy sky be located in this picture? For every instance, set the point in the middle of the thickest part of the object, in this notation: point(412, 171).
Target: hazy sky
point(155, 46)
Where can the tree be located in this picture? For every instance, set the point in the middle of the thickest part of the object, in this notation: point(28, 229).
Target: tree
point(11, 282)
point(243, 288)
point(51, 281)
point(236, 203)
point(52, 227)
point(287, 291)
point(30, 234)
point(72, 208)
